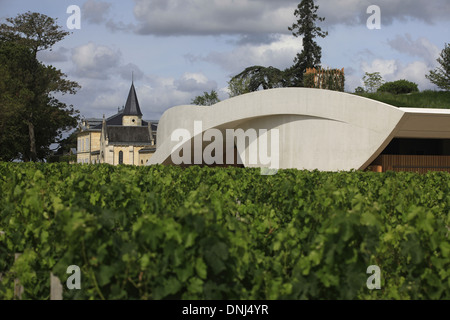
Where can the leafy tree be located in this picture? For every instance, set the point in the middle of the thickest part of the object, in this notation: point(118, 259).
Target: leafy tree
point(359, 90)
point(207, 99)
point(306, 27)
point(257, 77)
point(399, 87)
point(238, 86)
point(372, 81)
point(441, 75)
point(33, 30)
point(29, 109)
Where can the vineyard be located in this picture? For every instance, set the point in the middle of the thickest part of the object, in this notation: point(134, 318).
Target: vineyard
point(165, 232)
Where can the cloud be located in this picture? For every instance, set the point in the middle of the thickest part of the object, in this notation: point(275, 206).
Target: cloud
point(212, 17)
point(422, 48)
point(95, 61)
point(279, 54)
point(95, 12)
point(58, 55)
point(195, 82)
point(201, 17)
point(130, 69)
point(392, 70)
point(386, 68)
point(351, 12)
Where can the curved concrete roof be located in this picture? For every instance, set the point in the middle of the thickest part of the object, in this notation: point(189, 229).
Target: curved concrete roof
point(318, 129)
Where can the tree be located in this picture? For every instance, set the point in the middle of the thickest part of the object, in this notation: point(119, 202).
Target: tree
point(33, 30)
point(360, 90)
point(306, 27)
point(258, 77)
point(207, 99)
point(441, 75)
point(29, 85)
point(372, 81)
point(238, 86)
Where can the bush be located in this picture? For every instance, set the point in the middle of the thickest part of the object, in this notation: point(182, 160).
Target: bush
point(359, 90)
point(399, 87)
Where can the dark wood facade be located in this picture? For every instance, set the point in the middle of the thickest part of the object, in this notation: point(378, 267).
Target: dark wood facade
point(410, 163)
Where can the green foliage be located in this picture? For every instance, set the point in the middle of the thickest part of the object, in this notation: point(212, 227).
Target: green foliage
point(33, 30)
point(31, 117)
point(164, 232)
point(257, 77)
point(424, 99)
point(441, 75)
point(399, 87)
point(359, 90)
point(306, 27)
point(238, 85)
point(372, 81)
point(207, 99)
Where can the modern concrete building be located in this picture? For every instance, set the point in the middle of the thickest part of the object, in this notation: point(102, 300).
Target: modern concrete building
point(306, 129)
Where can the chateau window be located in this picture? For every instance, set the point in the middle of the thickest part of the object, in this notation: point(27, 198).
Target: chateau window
point(120, 157)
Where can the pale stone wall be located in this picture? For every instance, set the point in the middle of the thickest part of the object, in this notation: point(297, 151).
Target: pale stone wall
point(95, 141)
point(127, 155)
point(83, 155)
point(144, 157)
point(128, 121)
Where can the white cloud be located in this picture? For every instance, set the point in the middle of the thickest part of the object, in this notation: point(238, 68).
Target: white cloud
point(279, 54)
point(392, 70)
point(95, 61)
point(195, 82)
point(422, 48)
point(386, 68)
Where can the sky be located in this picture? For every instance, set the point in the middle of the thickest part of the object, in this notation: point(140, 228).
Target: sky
point(178, 49)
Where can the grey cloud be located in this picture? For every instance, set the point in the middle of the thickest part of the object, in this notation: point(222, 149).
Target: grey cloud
point(95, 11)
point(206, 17)
point(95, 61)
point(192, 85)
point(58, 55)
point(116, 26)
point(421, 48)
point(126, 71)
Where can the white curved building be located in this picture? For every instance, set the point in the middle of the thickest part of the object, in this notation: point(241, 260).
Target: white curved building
point(306, 129)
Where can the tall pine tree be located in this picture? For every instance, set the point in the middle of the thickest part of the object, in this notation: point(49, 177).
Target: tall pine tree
point(306, 27)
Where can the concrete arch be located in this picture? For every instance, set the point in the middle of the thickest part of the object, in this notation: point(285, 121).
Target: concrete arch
point(318, 129)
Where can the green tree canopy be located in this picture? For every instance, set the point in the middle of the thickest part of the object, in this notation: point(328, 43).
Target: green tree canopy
point(29, 111)
point(34, 30)
point(207, 99)
point(258, 77)
point(372, 81)
point(441, 75)
point(306, 27)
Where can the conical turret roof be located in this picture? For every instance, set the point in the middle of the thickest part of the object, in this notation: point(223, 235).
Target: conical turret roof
point(132, 106)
